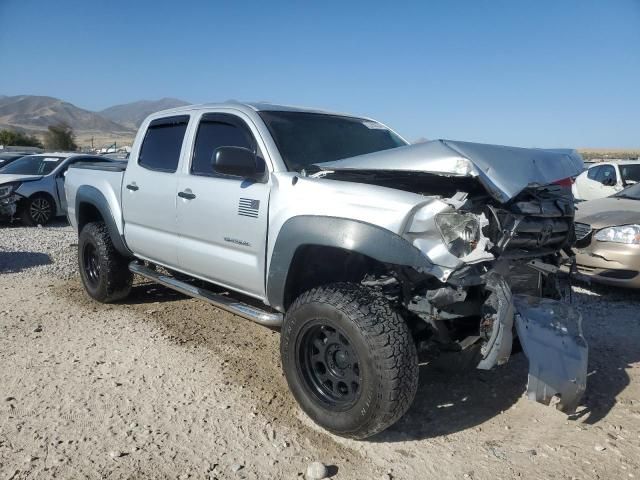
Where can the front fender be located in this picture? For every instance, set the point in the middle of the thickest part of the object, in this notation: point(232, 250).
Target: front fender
point(347, 234)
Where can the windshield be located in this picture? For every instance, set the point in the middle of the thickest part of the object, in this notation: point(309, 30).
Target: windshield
point(631, 192)
point(32, 165)
point(630, 173)
point(305, 139)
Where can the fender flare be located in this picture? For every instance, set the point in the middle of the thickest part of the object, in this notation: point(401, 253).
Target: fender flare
point(95, 198)
point(344, 233)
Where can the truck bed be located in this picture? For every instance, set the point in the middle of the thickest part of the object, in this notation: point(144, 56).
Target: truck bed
point(95, 178)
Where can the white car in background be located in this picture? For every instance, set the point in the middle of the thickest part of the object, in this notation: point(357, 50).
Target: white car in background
point(605, 179)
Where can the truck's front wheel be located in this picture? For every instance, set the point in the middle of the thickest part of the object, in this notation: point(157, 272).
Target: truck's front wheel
point(105, 273)
point(349, 359)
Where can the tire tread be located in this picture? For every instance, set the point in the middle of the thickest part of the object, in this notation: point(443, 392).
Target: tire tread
point(390, 342)
point(118, 277)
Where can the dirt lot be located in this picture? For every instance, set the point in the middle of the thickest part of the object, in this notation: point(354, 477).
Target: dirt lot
point(163, 386)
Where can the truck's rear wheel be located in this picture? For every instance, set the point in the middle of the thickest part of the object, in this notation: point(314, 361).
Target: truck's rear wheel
point(105, 273)
point(349, 359)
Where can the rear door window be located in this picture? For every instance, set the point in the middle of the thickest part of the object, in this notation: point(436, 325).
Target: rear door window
point(630, 173)
point(162, 144)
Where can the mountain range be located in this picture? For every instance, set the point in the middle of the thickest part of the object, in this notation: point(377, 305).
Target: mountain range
point(33, 114)
point(131, 115)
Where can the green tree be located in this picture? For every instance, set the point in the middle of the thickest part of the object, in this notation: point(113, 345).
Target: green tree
point(60, 137)
point(11, 137)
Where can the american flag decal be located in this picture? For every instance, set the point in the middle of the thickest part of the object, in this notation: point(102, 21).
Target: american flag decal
point(249, 207)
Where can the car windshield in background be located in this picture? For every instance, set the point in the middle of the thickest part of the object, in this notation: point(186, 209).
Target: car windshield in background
point(305, 139)
point(630, 173)
point(632, 192)
point(32, 165)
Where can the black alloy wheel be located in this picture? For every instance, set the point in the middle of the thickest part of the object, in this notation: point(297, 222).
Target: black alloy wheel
point(91, 264)
point(330, 366)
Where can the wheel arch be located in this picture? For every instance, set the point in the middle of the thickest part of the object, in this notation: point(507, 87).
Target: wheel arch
point(92, 206)
point(349, 246)
point(42, 193)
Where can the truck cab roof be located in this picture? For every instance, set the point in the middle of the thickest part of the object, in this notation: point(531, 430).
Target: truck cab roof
point(248, 107)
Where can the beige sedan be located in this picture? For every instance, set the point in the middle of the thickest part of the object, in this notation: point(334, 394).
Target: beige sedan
point(608, 238)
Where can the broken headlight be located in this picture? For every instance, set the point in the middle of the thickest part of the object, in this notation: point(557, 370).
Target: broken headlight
point(629, 234)
point(460, 232)
point(7, 189)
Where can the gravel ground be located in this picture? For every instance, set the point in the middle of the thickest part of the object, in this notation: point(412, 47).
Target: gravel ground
point(46, 250)
point(163, 386)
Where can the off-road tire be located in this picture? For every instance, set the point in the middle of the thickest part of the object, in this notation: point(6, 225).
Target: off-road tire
point(111, 280)
point(381, 340)
point(37, 210)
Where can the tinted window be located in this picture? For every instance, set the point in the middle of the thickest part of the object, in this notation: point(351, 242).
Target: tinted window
point(305, 139)
point(593, 172)
point(606, 172)
point(215, 131)
point(162, 144)
point(630, 173)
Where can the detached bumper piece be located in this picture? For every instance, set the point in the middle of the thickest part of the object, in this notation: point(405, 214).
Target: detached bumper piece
point(551, 336)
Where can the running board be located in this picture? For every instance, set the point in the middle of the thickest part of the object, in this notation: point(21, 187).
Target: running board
point(220, 301)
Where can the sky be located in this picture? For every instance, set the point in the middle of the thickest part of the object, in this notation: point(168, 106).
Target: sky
point(545, 73)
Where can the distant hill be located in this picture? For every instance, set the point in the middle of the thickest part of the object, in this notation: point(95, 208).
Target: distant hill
point(609, 153)
point(34, 114)
point(132, 114)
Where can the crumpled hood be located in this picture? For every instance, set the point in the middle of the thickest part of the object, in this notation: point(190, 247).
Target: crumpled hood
point(608, 212)
point(504, 171)
point(11, 177)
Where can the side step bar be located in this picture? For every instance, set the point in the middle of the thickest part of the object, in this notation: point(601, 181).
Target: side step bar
point(220, 301)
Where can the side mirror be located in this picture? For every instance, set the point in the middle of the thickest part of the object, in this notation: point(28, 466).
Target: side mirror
point(609, 182)
point(237, 161)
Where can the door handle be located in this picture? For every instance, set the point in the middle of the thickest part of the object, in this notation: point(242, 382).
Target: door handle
point(187, 195)
point(132, 187)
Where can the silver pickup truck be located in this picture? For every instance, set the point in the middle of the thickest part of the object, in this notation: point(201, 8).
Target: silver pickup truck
point(370, 254)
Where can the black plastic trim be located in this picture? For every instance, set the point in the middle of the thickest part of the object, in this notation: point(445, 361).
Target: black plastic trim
point(344, 233)
point(95, 198)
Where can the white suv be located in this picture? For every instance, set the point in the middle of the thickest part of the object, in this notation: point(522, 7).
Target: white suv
point(604, 179)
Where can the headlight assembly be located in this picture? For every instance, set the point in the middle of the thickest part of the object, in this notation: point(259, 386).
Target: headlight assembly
point(460, 232)
point(7, 189)
point(629, 234)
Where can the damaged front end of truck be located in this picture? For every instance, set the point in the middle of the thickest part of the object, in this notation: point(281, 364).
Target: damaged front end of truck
point(496, 224)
